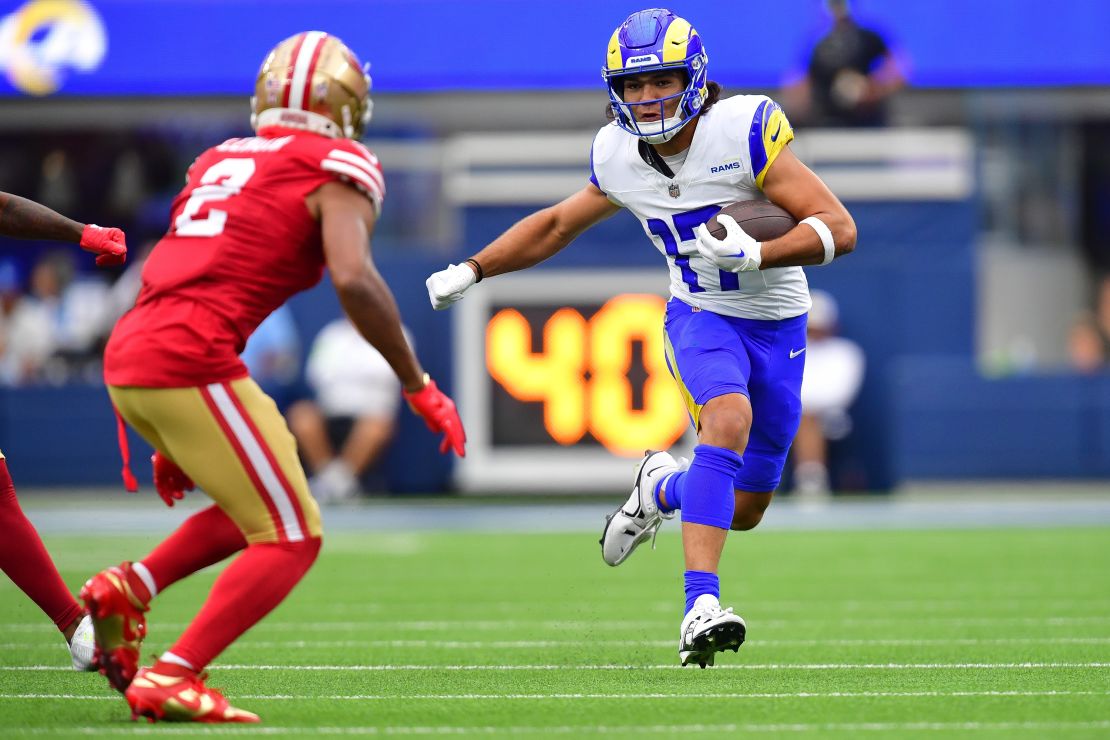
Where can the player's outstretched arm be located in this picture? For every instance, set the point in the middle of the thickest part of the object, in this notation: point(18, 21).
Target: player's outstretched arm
point(794, 187)
point(346, 222)
point(26, 219)
point(527, 242)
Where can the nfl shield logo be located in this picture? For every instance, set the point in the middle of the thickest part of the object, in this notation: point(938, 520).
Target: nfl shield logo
point(673, 190)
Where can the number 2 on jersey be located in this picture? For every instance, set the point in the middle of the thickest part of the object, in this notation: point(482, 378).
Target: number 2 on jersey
point(221, 181)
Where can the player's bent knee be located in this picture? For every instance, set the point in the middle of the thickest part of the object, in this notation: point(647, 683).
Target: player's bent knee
point(749, 510)
point(742, 521)
point(726, 422)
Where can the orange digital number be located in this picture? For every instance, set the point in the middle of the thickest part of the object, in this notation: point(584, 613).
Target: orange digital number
point(602, 347)
point(554, 376)
point(613, 421)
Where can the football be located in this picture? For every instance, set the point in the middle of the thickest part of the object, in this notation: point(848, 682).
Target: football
point(760, 219)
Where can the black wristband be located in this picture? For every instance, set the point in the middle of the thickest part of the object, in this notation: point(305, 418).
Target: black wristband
point(477, 269)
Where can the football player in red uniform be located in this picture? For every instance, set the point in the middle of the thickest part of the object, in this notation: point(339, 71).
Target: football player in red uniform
point(23, 558)
point(258, 221)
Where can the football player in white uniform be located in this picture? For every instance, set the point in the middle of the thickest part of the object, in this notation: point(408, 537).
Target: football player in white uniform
point(674, 154)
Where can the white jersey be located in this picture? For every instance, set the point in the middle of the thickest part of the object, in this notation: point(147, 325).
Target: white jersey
point(735, 143)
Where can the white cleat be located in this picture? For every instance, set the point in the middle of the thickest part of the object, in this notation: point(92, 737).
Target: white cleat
point(707, 629)
point(82, 648)
point(639, 518)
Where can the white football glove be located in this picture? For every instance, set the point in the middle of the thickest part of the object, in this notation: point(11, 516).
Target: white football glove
point(737, 252)
point(447, 286)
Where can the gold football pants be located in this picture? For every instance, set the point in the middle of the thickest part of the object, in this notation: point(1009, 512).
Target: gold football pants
point(234, 443)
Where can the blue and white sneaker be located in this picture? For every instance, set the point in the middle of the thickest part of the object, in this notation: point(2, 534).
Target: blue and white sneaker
point(707, 629)
point(639, 518)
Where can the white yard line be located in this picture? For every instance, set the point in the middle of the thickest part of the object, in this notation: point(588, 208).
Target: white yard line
point(538, 644)
point(579, 730)
point(456, 625)
point(248, 643)
point(618, 697)
point(616, 667)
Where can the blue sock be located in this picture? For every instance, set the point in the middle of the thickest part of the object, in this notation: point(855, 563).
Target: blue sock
point(666, 487)
point(698, 582)
point(705, 489)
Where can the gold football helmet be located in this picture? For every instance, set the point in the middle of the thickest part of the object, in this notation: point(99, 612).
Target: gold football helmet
point(312, 81)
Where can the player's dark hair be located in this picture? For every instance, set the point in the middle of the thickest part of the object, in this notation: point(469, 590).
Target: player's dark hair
point(713, 94)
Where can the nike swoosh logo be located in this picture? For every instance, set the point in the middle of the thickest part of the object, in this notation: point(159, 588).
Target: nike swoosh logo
point(776, 136)
point(795, 352)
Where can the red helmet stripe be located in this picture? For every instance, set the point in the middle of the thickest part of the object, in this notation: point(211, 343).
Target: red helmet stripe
point(287, 82)
point(304, 62)
point(306, 101)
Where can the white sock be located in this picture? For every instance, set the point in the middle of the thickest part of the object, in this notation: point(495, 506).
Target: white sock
point(171, 658)
point(144, 575)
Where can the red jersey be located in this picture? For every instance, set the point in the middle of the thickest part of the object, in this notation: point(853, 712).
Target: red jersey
point(241, 243)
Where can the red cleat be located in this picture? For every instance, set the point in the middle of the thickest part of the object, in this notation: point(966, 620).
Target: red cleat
point(180, 699)
point(118, 622)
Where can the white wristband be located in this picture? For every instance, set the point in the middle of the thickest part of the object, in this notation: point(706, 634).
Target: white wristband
point(825, 233)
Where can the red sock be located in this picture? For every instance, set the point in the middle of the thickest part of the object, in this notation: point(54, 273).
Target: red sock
point(24, 558)
point(248, 590)
point(166, 668)
point(204, 539)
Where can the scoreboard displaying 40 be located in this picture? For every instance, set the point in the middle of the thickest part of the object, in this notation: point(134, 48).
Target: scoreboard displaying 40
point(565, 380)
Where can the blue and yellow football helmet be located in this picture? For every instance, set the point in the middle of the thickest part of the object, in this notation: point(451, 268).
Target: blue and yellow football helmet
point(647, 41)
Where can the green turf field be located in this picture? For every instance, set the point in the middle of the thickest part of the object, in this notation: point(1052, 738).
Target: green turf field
point(976, 633)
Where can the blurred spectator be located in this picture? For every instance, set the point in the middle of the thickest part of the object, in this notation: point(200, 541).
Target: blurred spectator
point(273, 356)
point(31, 334)
point(1095, 223)
point(833, 375)
point(1086, 345)
point(58, 184)
point(80, 314)
point(354, 408)
point(55, 330)
point(128, 187)
point(1102, 306)
point(10, 295)
point(849, 76)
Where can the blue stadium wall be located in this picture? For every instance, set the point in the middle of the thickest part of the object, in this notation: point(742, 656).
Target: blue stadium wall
point(417, 45)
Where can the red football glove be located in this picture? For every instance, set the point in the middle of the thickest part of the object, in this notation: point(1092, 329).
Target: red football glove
point(169, 480)
point(109, 244)
point(438, 412)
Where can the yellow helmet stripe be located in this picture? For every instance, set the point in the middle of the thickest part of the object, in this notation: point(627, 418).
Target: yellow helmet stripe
point(613, 60)
point(676, 41)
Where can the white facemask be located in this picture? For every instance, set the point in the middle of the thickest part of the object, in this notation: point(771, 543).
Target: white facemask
point(647, 127)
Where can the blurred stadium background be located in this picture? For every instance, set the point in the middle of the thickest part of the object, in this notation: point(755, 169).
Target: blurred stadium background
point(982, 211)
point(978, 293)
